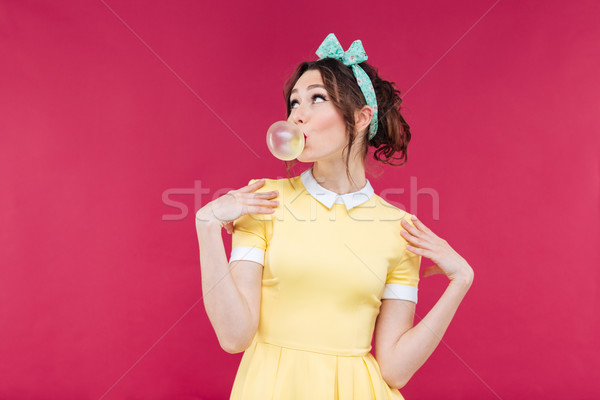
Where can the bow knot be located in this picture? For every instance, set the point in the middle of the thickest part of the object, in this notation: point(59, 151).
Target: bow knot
point(331, 48)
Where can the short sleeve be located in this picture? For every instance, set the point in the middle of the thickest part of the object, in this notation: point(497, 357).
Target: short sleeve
point(402, 280)
point(249, 239)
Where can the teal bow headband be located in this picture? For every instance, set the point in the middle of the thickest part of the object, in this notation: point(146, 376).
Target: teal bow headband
point(331, 48)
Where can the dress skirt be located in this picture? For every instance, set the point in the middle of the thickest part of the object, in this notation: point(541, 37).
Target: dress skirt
point(272, 372)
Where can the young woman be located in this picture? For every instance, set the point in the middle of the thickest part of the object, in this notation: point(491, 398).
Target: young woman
point(319, 262)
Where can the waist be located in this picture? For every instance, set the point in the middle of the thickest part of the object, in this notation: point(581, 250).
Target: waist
point(313, 348)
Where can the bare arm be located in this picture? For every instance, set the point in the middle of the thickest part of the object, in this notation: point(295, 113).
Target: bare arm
point(402, 349)
point(231, 293)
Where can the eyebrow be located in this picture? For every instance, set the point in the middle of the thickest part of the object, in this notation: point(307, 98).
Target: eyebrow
point(309, 87)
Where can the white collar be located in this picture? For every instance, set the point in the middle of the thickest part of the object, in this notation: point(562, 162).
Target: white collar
point(328, 198)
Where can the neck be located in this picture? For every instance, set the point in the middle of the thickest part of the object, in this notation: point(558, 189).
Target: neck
point(332, 176)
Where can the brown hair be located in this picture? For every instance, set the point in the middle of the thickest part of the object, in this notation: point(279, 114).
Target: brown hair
point(393, 133)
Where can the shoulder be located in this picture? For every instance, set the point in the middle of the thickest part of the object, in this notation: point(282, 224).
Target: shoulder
point(287, 191)
point(282, 184)
point(390, 210)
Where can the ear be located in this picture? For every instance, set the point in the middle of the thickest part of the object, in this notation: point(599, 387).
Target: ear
point(362, 118)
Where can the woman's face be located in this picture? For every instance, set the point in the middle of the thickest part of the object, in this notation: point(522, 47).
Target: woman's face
point(317, 117)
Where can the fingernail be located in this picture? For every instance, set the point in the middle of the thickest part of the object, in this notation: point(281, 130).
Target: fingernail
point(414, 217)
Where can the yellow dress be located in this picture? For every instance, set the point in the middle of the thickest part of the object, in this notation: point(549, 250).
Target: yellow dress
point(328, 261)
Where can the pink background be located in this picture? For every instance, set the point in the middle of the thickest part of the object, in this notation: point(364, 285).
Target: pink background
point(116, 115)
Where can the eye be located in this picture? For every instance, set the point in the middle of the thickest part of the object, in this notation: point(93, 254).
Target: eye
point(314, 96)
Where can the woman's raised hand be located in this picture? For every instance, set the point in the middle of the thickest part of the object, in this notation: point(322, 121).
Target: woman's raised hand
point(235, 203)
point(424, 242)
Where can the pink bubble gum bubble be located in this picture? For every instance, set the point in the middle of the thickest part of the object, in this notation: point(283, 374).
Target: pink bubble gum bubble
point(285, 140)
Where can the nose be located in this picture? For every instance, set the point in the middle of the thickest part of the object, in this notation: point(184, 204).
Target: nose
point(298, 115)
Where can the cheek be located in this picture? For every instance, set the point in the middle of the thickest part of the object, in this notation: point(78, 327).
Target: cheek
point(333, 123)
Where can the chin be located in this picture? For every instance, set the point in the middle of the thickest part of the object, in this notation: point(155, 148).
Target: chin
point(303, 158)
point(311, 158)
point(307, 158)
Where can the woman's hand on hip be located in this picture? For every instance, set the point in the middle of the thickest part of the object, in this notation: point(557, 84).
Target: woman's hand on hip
point(424, 242)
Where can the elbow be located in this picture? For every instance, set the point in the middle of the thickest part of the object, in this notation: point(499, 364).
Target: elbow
point(232, 349)
point(234, 346)
point(237, 340)
point(400, 384)
point(397, 383)
point(394, 379)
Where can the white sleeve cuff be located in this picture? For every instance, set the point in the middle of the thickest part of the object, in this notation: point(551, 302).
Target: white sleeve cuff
point(397, 291)
point(247, 253)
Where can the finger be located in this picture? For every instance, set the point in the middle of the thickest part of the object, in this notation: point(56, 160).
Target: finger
point(266, 195)
point(420, 225)
point(413, 230)
point(409, 237)
point(417, 241)
point(414, 249)
point(265, 203)
point(419, 251)
point(253, 186)
point(260, 210)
